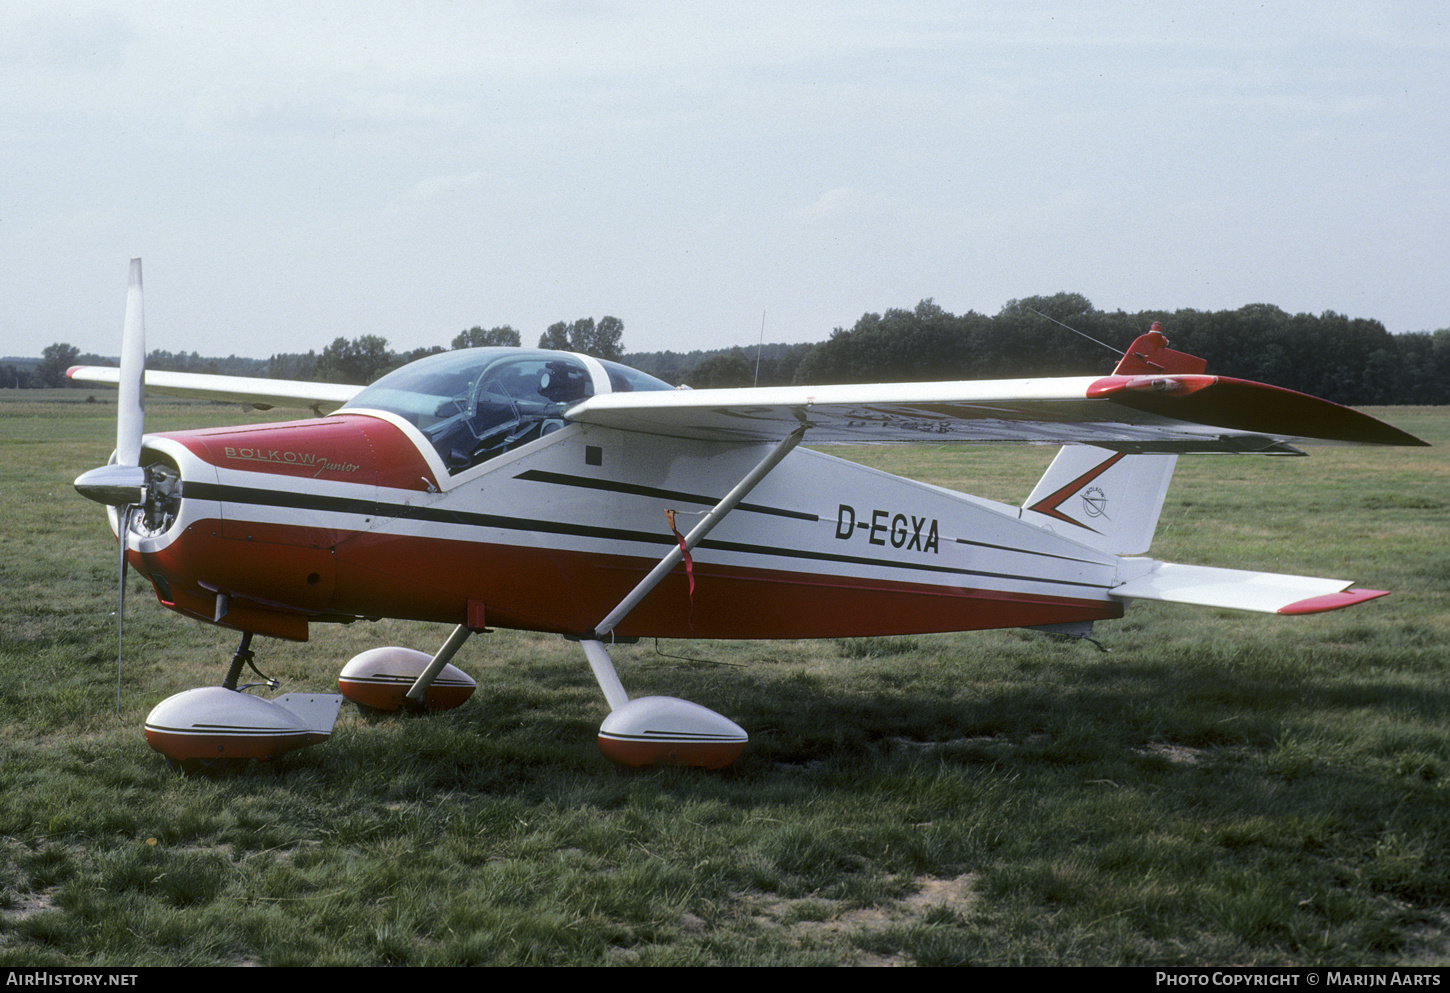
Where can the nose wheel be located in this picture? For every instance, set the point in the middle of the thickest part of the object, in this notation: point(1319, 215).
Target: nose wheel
point(212, 728)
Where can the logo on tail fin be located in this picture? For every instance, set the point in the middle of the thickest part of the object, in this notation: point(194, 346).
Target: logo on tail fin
point(1095, 502)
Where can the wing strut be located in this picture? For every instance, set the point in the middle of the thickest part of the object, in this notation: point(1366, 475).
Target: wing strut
point(593, 644)
point(706, 525)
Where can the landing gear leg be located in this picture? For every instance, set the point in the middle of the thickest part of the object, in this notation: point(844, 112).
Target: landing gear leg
point(242, 656)
point(414, 698)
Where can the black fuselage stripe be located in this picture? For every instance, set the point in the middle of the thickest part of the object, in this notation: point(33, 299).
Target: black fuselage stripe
point(560, 479)
point(634, 489)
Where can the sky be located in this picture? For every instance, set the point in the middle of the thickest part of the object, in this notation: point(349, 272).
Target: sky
point(295, 172)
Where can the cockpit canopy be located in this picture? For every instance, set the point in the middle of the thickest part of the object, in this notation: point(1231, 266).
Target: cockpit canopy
point(476, 403)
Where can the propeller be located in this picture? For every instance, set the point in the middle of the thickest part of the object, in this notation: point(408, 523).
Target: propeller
point(122, 483)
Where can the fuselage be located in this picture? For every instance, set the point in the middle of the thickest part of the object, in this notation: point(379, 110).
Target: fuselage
point(356, 516)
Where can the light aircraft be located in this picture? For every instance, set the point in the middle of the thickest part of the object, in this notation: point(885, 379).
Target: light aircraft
point(546, 491)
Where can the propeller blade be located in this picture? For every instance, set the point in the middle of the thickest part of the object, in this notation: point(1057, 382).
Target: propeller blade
point(130, 415)
point(123, 482)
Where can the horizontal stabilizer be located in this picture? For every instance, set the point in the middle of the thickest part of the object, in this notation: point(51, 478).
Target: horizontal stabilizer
point(1238, 589)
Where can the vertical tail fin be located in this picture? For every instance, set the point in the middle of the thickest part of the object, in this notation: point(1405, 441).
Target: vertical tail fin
point(1108, 500)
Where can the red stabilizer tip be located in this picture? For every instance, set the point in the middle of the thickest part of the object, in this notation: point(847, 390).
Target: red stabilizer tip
point(1333, 601)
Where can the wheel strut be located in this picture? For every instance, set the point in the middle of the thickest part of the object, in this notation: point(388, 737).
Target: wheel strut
point(242, 656)
point(245, 656)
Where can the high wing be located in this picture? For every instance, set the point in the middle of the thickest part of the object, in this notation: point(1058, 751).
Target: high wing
point(320, 398)
point(1126, 413)
point(1181, 413)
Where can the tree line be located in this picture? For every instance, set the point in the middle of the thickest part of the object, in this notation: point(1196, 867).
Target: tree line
point(49, 370)
point(361, 360)
point(1347, 360)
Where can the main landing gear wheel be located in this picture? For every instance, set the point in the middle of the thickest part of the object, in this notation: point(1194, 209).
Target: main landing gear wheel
point(379, 679)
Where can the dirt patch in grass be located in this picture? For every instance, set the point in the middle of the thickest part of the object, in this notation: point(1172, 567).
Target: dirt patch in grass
point(29, 904)
point(1429, 944)
point(814, 922)
point(1173, 753)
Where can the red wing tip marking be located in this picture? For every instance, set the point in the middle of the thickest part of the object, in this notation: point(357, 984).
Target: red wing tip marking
point(1332, 601)
point(1178, 385)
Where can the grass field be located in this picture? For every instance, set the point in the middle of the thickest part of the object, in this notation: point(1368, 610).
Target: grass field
point(1218, 788)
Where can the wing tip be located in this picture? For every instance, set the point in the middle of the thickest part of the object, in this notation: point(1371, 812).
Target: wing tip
point(1243, 405)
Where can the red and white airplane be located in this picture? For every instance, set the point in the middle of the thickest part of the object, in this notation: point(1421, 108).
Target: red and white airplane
point(548, 491)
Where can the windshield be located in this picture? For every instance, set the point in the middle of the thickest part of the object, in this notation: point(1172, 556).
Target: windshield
point(476, 403)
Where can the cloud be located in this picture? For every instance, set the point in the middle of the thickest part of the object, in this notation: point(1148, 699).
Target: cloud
point(840, 202)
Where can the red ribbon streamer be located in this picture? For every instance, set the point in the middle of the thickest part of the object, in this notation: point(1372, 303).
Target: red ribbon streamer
point(689, 563)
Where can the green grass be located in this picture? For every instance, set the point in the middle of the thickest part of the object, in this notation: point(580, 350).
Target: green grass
point(1219, 788)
